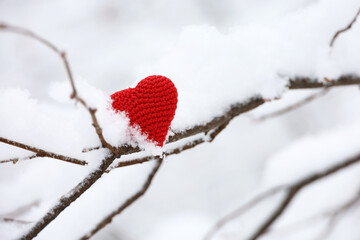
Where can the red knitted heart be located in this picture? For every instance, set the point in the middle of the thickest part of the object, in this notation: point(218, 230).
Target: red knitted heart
point(151, 105)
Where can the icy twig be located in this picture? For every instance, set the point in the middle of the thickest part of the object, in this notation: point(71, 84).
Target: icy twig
point(291, 191)
point(127, 203)
point(40, 152)
point(344, 29)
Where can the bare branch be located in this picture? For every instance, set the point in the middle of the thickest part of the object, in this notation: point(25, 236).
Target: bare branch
point(11, 217)
point(41, 153)
point(291, 190)
point(337, 214)
point(344, 29)
point(22, 210)
point(298, 104)
point(328, 214)
point(294, 189)
point(241, 210)
point(74, 94)
point(14, 220)
point(127, 203)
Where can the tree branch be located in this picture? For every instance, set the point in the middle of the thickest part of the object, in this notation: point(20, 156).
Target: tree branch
point(241, 210)
point(291, 190)
point(344, 29)
point(40, 152)
point(74, 94)
point(68, 198)
point(127, 203)
point(213, 126)
point(328, 214)
point(337, 214)
point(222, 121)
point(306, 83)
point(294, 189)
point(21, 210)
point(184, 147)
point(294, 106)
point(177, 150)
point(108, 219)
point(15, 160)
point(14, 220)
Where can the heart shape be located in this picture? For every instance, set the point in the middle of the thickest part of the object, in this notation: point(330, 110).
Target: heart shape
point(150, 105)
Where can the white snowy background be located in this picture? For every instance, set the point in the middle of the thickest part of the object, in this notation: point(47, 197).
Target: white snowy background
point(217, 53)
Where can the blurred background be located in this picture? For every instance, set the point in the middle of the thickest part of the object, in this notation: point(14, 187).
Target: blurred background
point(107, 42)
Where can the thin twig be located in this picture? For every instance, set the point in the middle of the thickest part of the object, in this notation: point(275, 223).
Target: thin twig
point(16, 160)
point(42, 153)
point(337, 214)
point(74, 94)
point(294, 106)
point(85, 150)
point(127, 203)
point(344, 29)
point(12, 220)
point(241, 210)
point(294, 189)
point(177, 150)
point(291, 190)
point(328, 214)
point(21, 210)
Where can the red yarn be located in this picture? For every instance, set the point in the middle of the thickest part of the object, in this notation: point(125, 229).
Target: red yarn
point(150, 105)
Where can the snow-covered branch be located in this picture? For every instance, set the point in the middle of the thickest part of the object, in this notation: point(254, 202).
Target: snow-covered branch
point(74, 94)
point(210, 129)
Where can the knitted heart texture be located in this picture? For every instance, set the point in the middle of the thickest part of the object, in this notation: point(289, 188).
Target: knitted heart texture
point(151, 105)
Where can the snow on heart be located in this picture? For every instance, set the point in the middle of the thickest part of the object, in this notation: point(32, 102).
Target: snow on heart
point(150, 106)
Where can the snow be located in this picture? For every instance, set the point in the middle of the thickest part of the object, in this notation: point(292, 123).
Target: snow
point(217, 54)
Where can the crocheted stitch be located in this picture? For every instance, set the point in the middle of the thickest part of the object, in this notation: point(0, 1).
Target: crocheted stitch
point(151, 105)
